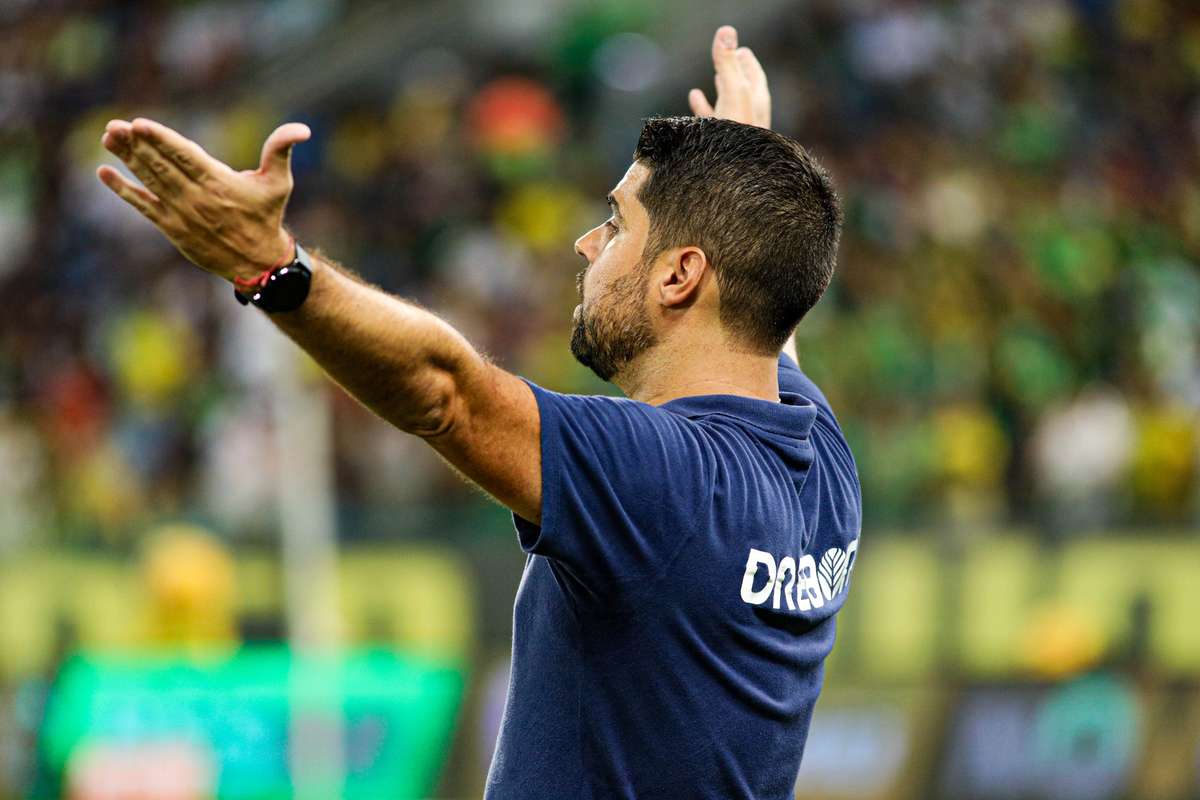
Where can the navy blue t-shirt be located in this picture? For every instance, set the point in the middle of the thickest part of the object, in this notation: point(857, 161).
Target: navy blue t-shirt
point(678, 598)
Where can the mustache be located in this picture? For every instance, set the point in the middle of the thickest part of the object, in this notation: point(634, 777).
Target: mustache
point(579, 281)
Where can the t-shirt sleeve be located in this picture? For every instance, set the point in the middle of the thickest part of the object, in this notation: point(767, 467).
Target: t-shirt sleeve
point(620, 478)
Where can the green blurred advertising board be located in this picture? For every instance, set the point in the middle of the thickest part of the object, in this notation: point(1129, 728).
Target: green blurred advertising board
point(225, 723)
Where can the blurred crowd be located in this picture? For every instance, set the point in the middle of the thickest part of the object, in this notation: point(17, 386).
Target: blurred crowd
point(1013, 335)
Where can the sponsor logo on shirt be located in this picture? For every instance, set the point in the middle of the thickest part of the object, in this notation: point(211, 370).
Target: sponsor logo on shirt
point(802, 584)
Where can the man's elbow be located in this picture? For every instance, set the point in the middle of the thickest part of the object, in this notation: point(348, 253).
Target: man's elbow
point(433, 411)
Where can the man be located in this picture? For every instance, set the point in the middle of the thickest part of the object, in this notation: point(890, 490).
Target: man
point(688, 546)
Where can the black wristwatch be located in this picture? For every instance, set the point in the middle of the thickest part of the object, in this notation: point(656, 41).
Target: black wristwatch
point(283, 288)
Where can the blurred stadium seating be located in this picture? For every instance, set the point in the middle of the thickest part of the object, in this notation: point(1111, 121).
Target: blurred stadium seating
point(1012, 344)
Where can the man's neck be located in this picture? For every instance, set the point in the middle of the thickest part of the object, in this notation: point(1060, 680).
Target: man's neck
point(684, 367)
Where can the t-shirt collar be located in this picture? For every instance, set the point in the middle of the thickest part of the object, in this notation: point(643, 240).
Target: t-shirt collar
point(792, 416)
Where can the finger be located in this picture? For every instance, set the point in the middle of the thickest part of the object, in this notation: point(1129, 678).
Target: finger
point(751, 69)
point(145, 202)
point(724, 51)
point(185, 154)
point(277, 150)
point(732, 88)
point(117, 137)
point(731, 84)
point(756, 78)
point(119, 141)
point(699, 103)
point(158, 174)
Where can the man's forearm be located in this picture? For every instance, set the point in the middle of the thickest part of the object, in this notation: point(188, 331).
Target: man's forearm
point(399, 360)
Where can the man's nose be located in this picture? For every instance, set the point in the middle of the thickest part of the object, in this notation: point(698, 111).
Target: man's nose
point(581, 246)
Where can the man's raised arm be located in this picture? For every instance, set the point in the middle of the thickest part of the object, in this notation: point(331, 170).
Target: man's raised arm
point(402, 362)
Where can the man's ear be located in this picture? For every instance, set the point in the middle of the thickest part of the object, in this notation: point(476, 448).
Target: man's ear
point(680, 283)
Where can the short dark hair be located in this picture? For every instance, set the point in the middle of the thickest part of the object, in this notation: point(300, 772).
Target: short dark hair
point(762, 209)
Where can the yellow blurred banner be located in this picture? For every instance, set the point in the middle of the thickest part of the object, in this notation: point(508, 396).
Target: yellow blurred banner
point(419, 599)
point(1002, 607)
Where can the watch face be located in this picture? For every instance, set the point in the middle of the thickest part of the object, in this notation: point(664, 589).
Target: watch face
point(286, 289)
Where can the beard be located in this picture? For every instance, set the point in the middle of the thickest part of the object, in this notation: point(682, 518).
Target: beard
point(614, 329)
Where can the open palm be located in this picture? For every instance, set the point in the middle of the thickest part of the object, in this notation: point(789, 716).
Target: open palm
point(742, 94)
point(227, 222)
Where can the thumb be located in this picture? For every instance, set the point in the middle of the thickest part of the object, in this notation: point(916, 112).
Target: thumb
point(699, 103)
point(277, 150)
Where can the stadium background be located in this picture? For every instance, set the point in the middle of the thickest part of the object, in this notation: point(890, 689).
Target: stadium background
point(1012, 343)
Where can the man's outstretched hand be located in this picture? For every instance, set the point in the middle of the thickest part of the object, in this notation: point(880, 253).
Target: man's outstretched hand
point(742, 94)
point(226, 222)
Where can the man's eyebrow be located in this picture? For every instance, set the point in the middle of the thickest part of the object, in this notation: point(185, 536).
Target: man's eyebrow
point(616, 207)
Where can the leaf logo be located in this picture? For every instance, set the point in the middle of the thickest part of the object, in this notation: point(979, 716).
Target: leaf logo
point(831, 572)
